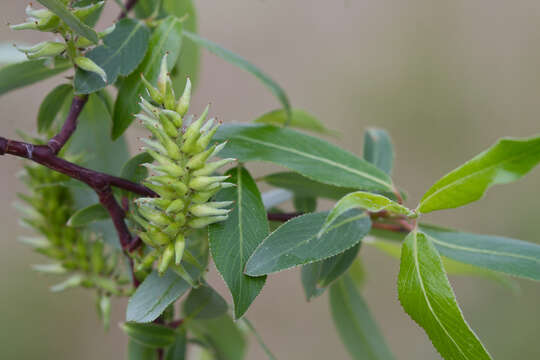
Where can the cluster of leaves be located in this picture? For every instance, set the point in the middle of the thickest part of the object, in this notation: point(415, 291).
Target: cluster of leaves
point(247, 247)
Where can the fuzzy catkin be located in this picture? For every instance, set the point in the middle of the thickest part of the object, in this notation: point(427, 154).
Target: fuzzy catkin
point(182, 175)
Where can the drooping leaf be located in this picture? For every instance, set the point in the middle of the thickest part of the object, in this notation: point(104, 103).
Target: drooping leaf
point(275, 197)
point(133, 171)
point(233, 241)
point(9, 54)
point(354, 323)
point(310, 156)
point(51, 106)
point(189, 61)
point(506, 161)
point(302, 186)
point(25, 73)
point(299, 119)
point(426, 295)
point(296, 242)
point(243, 64)
point(305, 204)
point(137, 351)
point(378, 149)
point(122, 51)
point(204, 303)
point(316, 277)
point(151, 335)
point(178, 349)
point(93, 18)
point(154, 295)
point(452, 267)
point(57, 7)
point(223, 336)
point(167, 37)
point(88, 215)
point(366, 201)
point(145, 8)
point(509, 256)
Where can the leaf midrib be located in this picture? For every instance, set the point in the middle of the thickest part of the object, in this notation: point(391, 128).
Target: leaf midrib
point(421, 282)
point(124, 44)
point(318, 158)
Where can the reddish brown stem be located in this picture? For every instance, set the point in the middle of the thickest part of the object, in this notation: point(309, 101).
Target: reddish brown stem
point(60, 139)
point(127, 8)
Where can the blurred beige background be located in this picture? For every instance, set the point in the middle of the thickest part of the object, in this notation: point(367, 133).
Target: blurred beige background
point(445, 78)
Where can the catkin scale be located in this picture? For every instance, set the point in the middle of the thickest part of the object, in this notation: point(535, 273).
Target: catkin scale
point(183, 174)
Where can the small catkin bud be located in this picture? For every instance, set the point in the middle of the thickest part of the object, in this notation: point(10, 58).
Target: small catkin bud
point(179, 246)
point(185, 99)
point(206, 210)
point(166, 258)
point(198, 223)
point(88, 65)
point(205, 182)
point(175, 206)
point(163, 76)
point(152, 91)
point(82, 13)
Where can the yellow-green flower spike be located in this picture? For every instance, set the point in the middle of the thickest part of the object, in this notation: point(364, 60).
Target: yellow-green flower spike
point(183, 174)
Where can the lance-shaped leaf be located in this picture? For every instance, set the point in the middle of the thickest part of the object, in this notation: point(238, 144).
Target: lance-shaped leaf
point(138, 351)
point(243, 64)
point(509, 256)
point(366, 201)
point(151, 335)
point(378, 149)
point(51, 106)
point(178, 350)
point(154, 295)
point(71, 20)
point(299, 119)
point(317, 276)
point(305, 187)
point(25, 73)
point(426, 295)
point(452, 267)
point(354, 323)
point(167, 37)
point(233, 241)
point(122, 51)
point(296, 242)
point(310, 156)
point(88, 215)
point(506, 161)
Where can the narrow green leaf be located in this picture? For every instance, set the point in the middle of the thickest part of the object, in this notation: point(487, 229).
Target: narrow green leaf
point(188, 63)
point(122, 51)
point(71, 20)
point(154, 295)
point(88, 215)
point(178, 350)
point(354, 323)
point(204, 303)
point(305, 204)
point(151, 335)
point(303, 187)
point(452, 267)
point(509, 256)
point(426, 295)
point(133, 171)
point(25, 73)
point(378, 149)
point(299, 119)
point(223, 335)
point(506, 161)
point(365, 201)
point(93, 18)
point(316, 277)
point(145, 8)
point(310, 156)
point(296, 242)
point(233, 241)
point(243, 64)
point(167, 37)
point(51, 106)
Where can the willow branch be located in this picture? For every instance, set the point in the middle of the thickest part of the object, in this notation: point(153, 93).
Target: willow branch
point(127, 7)
point(60, 139)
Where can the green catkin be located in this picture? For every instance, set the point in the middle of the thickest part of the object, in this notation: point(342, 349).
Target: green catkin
point(182, 176)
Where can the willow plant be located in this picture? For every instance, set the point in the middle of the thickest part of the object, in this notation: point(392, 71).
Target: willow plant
point(147, 226)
